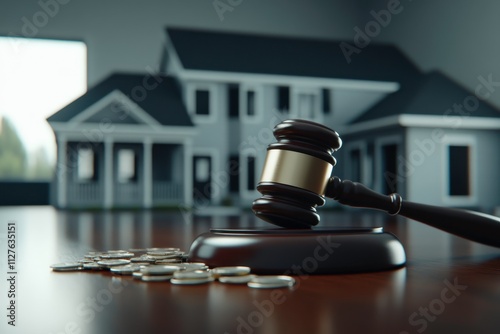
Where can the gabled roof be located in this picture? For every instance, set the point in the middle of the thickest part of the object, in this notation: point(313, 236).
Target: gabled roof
point(429, 94)
point(263, 54)
point(163, 103)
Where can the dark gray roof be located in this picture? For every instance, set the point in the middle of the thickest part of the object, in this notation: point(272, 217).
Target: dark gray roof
point(429, 94)
point(250, 53)
point(163, 103)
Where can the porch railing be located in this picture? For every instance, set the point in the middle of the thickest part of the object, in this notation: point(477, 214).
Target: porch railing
point(167, 192)
point(85, 194)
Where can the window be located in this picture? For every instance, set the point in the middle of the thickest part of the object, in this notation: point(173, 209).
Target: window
point(459, 170)
point(283, 100)
point(389, 168)
point(202, 102)
point(325, 101)
point(250, 103)
point(251, 173)
point(127, 166)
point(234, 167)
point(355, 165)
point(38, 77)
point(233, 100)
point(86, 165)
point(202, 169)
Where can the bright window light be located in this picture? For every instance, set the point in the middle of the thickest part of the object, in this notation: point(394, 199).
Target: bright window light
point(37, 78)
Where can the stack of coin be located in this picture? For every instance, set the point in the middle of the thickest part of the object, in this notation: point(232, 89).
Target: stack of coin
point(170, 264)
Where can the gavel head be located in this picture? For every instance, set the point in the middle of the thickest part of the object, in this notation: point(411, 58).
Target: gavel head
point(295, 174)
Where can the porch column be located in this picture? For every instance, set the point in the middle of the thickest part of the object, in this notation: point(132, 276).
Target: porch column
point(61, 177)
point(148, 172)
point(108, 174)
point(188, 172)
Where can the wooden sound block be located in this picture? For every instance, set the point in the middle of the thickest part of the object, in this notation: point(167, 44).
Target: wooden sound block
point(300, 251)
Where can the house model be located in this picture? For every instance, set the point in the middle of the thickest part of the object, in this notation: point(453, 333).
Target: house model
point(195, 133)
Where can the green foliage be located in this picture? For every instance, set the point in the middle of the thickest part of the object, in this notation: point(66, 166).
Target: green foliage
point(13, 157)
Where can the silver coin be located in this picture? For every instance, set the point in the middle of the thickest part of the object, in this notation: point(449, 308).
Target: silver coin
point(127, 269)
point(137, 275)
point(67, 266)
point(123, 255)
point(160, 253)
point(242, 279)
point(190, 266)
point(231, 271)
point(156, 278)
point(194, 266)
point(167, 249)
point(271, 282)
point(191, 281)
point(143, 264)
point(142, 259)
point(91, 266)
point(137, 250)
point(159, 270)
point(191, 274)
point(167, 261)
point(113, 263)
point(82, 261)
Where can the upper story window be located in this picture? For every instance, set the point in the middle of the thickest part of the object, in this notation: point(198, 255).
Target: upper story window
point(202, 98)
point(459, 170)
point(326, 105)
point(233, 100)
point(283, 98)
point(250, 103)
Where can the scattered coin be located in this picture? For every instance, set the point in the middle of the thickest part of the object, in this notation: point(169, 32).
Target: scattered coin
point(67, 266)
point(113, 263)
point(168, 261)
point(242, 279)
point(82, 261)
point(231, 271)
point(193, 266)
point(127, 269)
point(168, 249)
point(137, 275)
point(137, 250)
point(271, 282)
point(159, 270)
point(156, 278)
point(191, 281)
point(142, 259)
point(170, 264)
point(192, 274)
point(91, 266)
point(123, 255)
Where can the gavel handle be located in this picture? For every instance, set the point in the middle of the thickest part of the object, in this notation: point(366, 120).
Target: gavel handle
point(470, 225)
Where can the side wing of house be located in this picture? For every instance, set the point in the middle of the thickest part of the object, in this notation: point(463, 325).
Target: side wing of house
point(120, 149)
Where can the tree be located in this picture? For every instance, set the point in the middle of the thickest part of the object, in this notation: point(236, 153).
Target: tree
point(13, 157)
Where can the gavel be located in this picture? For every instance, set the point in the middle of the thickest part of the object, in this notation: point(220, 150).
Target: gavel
point(296, 178)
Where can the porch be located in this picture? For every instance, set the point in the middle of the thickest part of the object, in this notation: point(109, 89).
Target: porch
point(121, 175)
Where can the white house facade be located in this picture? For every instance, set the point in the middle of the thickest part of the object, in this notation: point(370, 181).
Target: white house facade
point(196, 134)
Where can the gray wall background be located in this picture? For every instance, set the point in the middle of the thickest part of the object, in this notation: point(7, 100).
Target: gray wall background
point(459, 37)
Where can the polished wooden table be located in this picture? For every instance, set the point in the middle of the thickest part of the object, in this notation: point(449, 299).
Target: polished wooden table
point(450, 285)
